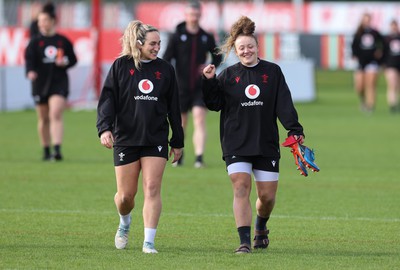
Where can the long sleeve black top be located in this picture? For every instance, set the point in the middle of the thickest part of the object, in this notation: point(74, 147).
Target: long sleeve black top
point(139, 106)
point(365, 44)
point(250, 100)
point(190, 52)
point(392, 51)
point(40, 56)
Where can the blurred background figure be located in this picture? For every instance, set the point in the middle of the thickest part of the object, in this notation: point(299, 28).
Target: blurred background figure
point(367, 49)
point(190, 46)
point(48, 56)
point(33, 27)
point(392, 66)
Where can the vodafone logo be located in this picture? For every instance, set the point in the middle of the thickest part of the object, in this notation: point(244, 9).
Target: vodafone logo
point(367, 40)
point(50, 52)
point(252, 91)
point(395, 46)
point(146, 86)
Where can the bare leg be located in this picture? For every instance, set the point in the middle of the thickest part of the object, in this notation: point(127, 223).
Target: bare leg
point(393, 84)
point(359, 85)
point(57, 105)
point(152, 171)
point(43, 127)
point(266, 192)
point(241, 184)
point(127, 183)
point(200, 132)
point(371, 78)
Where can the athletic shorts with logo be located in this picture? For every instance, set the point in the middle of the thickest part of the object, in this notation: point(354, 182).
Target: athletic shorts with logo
point(127, 154)
point(269, 164)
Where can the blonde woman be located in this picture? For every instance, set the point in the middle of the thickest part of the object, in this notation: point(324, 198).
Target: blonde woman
point(137, 106)
point(251, 95)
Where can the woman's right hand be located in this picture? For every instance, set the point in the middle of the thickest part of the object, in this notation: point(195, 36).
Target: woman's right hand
point(32, 75)
point(107, 139)
point(209, 71)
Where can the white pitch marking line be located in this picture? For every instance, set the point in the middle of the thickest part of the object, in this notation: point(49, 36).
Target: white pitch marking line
point(348, 218)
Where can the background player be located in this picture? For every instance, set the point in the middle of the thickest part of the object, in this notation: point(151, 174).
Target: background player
point(367, 49)
point(190, 47)
point(48, 56)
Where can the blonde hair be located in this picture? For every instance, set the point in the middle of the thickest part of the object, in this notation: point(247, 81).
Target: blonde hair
point(242, 27)
point(135, 33)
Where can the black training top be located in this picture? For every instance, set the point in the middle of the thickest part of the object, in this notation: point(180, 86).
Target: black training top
point(365, 44)
point(139, 105)
point(392, 51)
point(40, 56)
point(190, 52)
point(251, 99)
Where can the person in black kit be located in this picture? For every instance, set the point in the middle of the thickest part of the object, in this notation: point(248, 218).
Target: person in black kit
point(189, 47)
point(251, 95)
point(367, 49)
point(138, 104)
point(33, 27)
point(47, 57)
point(392, 66)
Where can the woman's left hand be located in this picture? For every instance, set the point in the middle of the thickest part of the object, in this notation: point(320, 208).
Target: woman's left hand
point(107, 139)
point(299, 138)
point(177, 152)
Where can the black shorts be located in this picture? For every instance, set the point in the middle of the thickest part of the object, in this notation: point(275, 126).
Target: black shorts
point(269, 164)
point(188, 101)
point(127, 154)
point(395, 66)
point(44, 99)
point(370, 66)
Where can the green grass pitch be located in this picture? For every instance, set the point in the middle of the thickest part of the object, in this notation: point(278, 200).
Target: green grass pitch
point(347, 216)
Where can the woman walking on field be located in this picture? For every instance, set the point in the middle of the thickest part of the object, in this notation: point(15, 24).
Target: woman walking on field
point(48, 57)
point(367, 49)
point(138, 105)
point(392, 67)
point(251, 95)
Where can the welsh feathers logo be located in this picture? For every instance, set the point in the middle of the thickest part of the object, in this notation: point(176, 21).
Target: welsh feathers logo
point(252, 91)
point(146, 86)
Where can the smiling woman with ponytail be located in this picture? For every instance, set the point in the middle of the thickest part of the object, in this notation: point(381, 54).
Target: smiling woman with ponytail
point(251, 95)
point(138, 105)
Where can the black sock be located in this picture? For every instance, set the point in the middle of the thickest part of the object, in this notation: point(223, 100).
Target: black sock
point(46, 151)
point(199, 158)
point(261, 223)
point(57, 149)
point(244, 234)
